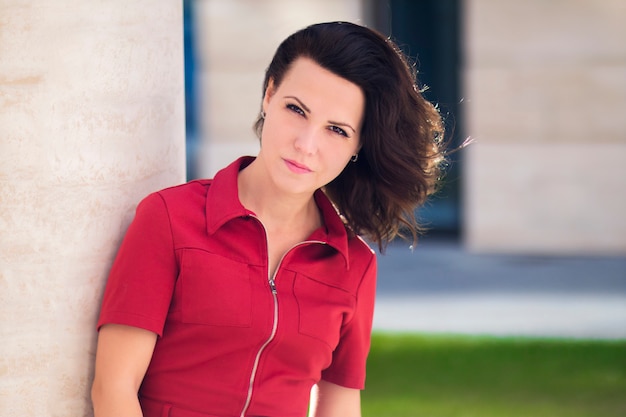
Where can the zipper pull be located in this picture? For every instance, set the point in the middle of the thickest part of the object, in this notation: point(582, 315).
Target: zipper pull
point(273, 285)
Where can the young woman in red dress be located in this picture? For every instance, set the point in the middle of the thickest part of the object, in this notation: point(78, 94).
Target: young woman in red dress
point(252, 294)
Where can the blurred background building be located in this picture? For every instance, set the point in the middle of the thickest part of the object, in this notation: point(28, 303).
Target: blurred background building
point(539, 85)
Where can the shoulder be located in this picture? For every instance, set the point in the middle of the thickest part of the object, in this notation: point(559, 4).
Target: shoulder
point(179, 196)
point(176, 201)
point(362, 258)
point(360, 249)
point(181, 192)
point(179, 209)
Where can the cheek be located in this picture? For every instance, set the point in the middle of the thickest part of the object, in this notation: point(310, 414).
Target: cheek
point(272, 136)
point(338, 165)
point(338, 153)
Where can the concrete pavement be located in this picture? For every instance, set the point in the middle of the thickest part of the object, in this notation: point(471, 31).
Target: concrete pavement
point(440, 288)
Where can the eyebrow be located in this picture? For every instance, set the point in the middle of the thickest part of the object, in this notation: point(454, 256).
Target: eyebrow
point(304, 106)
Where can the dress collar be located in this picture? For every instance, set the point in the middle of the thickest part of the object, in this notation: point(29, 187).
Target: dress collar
point(223, 205)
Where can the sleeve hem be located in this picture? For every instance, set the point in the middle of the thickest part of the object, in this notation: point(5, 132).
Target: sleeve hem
point(132, 320)
point(344, 380)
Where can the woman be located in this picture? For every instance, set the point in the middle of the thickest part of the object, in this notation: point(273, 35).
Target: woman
point(235, 296)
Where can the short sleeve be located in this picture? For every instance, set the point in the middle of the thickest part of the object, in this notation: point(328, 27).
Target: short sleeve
point(142, 279)
point(349, 358)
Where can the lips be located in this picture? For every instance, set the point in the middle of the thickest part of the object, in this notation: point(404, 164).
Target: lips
point(296, 167)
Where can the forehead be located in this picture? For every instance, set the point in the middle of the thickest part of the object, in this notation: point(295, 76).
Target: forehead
point(306, 69)
point(321, 88)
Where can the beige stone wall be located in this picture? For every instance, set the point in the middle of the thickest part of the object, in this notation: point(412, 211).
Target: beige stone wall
point(236, 40)
point(545, 88)
point(91, 120)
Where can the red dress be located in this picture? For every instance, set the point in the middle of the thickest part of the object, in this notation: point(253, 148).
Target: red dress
point(234, 341)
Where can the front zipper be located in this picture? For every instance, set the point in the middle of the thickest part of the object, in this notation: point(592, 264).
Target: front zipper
point(272, 283)
point(262, 348)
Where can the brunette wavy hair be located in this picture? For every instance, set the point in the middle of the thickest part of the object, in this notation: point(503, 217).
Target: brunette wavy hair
point(401, 154)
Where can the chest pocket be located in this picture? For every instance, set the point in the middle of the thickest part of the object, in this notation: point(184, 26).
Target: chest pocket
point(215, 291)
point(321, 309)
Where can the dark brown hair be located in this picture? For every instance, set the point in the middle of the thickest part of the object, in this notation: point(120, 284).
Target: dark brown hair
point(399, 161)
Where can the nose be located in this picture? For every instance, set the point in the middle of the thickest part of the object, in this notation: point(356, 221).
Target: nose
point(307, 141)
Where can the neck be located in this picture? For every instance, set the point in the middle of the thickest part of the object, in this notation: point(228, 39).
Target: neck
point(277, 210)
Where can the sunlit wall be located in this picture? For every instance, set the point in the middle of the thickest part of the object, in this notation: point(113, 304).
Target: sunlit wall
point(91, 120)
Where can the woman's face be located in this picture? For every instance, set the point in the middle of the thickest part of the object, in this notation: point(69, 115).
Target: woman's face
point(311, 128)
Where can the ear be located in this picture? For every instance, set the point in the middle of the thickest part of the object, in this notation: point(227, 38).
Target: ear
point(360, 145)
point(269, 93)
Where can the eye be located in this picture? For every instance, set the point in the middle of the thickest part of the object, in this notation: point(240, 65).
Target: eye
point(296, 109)
point(338, 130)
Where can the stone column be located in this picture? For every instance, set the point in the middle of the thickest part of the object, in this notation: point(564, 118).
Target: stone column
point(236, 40)
point(91, 120)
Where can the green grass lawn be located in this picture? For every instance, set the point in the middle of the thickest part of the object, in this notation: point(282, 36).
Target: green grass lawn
point(412, 375)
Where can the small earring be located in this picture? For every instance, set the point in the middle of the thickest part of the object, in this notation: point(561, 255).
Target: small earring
point(354, 158)
point(262, 114)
